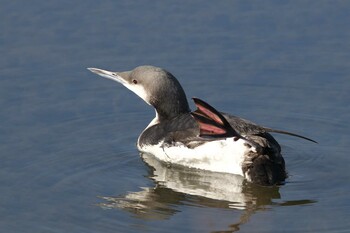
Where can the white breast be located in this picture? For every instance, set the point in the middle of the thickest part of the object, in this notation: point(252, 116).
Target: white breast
point(224, 155)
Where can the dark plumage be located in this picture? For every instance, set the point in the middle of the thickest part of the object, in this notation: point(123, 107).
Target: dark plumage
point(175, 123)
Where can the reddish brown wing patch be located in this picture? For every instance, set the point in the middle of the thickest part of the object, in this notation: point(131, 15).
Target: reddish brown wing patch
point(207, 126)
point(210, 121)
point(209, 114)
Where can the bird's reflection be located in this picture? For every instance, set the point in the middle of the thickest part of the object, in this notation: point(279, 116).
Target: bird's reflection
point(176, 186)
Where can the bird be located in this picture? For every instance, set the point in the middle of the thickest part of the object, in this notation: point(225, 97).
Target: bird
point(205, 138)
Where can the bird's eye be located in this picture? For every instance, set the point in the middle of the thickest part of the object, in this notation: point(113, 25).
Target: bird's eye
point(114, 74)
point(134, 81)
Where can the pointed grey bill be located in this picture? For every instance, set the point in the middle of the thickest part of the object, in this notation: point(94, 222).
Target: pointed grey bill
point(108, 74)
point(122, 77)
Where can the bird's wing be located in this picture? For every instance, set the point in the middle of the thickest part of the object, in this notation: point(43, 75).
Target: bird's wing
point(214, 123)
point(246, 127)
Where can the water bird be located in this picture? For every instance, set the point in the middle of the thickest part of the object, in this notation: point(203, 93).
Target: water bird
point(205, 138)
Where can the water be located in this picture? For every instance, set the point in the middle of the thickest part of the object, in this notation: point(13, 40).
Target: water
point(67, 137)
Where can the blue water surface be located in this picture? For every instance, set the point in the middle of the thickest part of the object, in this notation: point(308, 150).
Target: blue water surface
point(68, 160)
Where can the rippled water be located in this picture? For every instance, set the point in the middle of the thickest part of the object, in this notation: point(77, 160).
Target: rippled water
point(67, 137)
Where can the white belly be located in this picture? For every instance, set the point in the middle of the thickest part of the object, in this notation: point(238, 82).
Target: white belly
point(224, 155)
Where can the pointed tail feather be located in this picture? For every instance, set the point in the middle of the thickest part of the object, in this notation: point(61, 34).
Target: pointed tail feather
point(289, 133)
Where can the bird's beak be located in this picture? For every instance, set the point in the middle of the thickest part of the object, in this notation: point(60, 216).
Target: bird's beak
point(115, 76)
point(123, 77)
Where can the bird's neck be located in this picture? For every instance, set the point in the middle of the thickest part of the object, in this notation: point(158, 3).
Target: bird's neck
point(167, 110)
point(170, 102)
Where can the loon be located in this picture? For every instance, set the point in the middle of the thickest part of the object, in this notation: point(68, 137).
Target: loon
point(205, 138)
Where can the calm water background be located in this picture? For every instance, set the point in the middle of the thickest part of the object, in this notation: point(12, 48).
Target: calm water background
point(68, 161)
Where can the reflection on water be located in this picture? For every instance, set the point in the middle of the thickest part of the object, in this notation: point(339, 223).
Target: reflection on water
point(184, 186)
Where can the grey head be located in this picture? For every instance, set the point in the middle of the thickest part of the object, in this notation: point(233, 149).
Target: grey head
point(156, 86)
